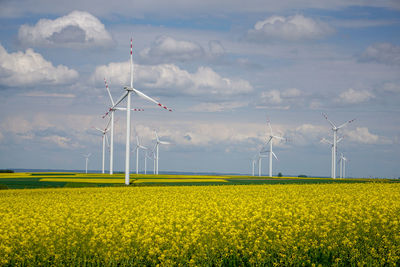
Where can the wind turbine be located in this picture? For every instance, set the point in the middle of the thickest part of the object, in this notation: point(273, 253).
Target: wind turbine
point(253, 165)
point(158, 142)
point(138, 146)
point(260, 156)
point(149, 154)
point(111, 111)
point(104, 139)
point(335, 130)
point(127, 95)
point(270, 141)
point(342, 163)
point(323, 140)
point(87, 159)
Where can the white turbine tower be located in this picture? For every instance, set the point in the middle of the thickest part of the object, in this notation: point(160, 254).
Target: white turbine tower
point(323, 140)
point(253, 165)
point(111, 111)
point(335, 131)
point(87, 160)
point(138, 146)
point(127, 95)
point(271, 153)
point(342, 164)
point(103, 139)
point(149, 154)
point(158, 142)
point(260, 156)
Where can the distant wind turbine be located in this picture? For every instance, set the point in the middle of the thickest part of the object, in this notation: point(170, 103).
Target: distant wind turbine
point(158, 142)
point(127, 95)
point(271, 153)
point(104, 139)
point(260, 156)
point(137, 147)
point(87, 160)
point(335, 130)
point(323, 140)
point(342, 164)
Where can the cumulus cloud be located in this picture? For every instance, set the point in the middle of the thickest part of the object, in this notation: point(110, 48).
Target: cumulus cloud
point(30, 68)
point(77, 29)
point(168, 49)
point(352, 96)
point(290, 28)
point(280, 99)
point(169, 79)
point(362, 135)
point(44, 94)
point(385, 53)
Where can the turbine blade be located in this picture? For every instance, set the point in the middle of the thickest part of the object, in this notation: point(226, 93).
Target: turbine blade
point(120, 99)
point(274, 155)
point(99, 129)
point(158, 140)
point(347, 122)
point(269, 125)
point(164, 142)
point(108, 144)
point(131, 66)
point(108, 91)
point(108, 124)
point(144, 96)
point(331, 123)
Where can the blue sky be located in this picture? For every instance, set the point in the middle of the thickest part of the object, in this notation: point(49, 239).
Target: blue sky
point(223, 67)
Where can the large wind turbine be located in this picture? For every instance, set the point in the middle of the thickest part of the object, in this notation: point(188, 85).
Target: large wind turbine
point(335, 130)
point(158, 142)
point(127, 95)
point(138, 146)
point(323, 140)
point(87, 160)
point(271, 153)
point(111, 111)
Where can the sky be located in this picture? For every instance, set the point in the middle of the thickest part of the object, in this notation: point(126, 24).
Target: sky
point(225, 68)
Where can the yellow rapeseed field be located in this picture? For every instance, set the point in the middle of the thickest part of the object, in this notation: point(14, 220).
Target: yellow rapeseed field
point(328, 224)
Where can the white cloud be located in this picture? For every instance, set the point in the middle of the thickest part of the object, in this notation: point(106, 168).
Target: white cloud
point(290, 28)
point(281, 99)
point(170, 79)
point(44, 94)
point(167, 49)
point(390, 87)
point(217, 107)
point(216, 48)
point(385, 53)
point(362, 135)
point(352, 96)
point(30, 68)
point(77, 29)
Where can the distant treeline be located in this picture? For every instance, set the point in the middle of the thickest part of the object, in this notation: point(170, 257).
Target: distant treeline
point(6, 171)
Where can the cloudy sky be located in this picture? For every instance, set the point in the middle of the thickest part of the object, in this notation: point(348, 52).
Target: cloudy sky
point(224, 67)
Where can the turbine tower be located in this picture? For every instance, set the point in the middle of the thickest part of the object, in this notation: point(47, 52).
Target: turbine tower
point(323, 140)
point(127, 95)
point(335, 130)
point(111, 112)
point(342, 163)
point(103, 139)
point(87, 160)
point(260, 156)
point(138, 146)
point(270, 141)
point(158, 142)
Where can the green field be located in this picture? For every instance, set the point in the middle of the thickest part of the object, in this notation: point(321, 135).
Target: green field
point(66, 179)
